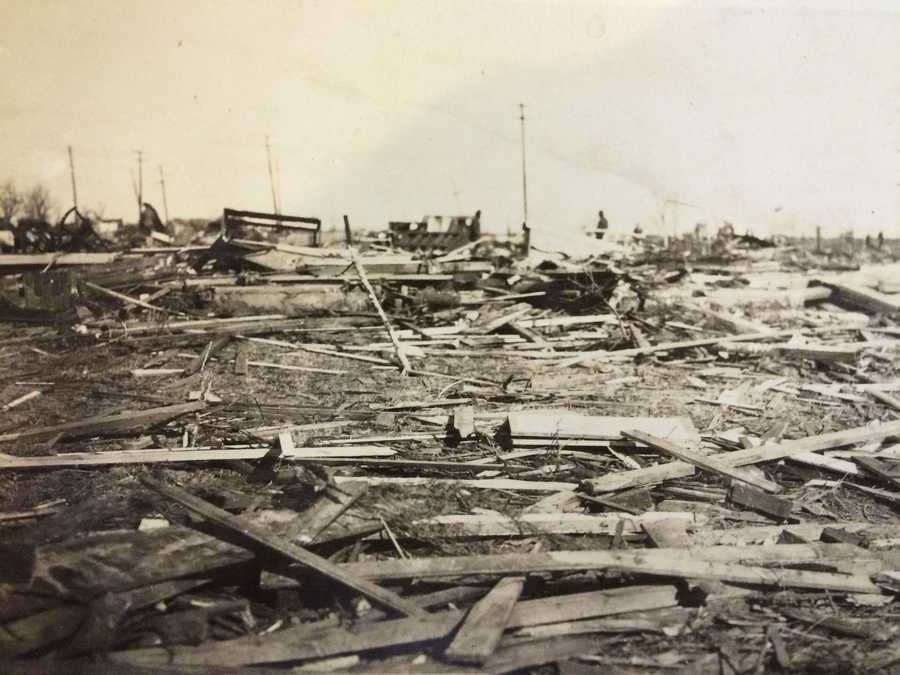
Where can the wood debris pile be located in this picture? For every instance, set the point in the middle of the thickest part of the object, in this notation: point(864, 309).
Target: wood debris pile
point(263, 457)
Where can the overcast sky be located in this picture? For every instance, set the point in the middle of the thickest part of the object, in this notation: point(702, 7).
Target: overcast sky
point(776, 116)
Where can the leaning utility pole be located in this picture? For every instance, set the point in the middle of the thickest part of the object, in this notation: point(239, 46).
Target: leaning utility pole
point(271, 176)
point(162, 184)
point(524, 182)
point(140, 183)
point(72, 174)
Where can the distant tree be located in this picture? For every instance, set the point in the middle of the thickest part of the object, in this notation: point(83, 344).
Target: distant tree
point(10, 201)
point(38, 203)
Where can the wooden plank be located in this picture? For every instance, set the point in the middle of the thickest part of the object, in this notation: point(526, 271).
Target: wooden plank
point(509, 484)
point(529, 524)
point(529, 334)
point(598, 356)
point(109, 424)
point(59, 259)
point(399, 350)
point(707, 463)
point(822, 353)
point(667, 534)
point(331, 503)
point(649, 475)
point(777, 508)
point(285, 549)
point(767, 452)
point(717, 562)
point(879, 469)
point(567, 321)
point(305, 642)
point(297, 643)
point(518, 656)
point(591, 604)
point(556, 424)
point(212, 348)
point(128, 299)
point(742, 536)
point(301, 369)
point(418, 405)
point(887, 399)
point(859, 298)
point(480, 633)
point(52, 626)
point(163, 455)
point(241, 359)
point(464, 467)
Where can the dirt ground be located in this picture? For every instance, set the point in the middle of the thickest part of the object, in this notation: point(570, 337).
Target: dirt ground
point(83, 376)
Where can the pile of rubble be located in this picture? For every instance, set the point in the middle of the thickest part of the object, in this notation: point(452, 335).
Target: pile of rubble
point(253, 454)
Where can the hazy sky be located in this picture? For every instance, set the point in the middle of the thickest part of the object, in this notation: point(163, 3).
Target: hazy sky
point(774, 115)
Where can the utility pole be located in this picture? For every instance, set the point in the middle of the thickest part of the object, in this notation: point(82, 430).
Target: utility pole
point(524, 181)
point(271, 176)
point(72, 174)
point(162, 184)
point(140, 183)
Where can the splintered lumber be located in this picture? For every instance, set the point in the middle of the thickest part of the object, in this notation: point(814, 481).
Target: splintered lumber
point(28, 634)
point(822, 353)
point(299, 643)
point(316, 641)
point(14, 260)
point(332, 502)
point(213, 347)
point(732, 322)
point(317, 350)
point(777, 508)
point(667, 534)
point(625, 480)
point(859, 298)
point(286, 550)
point(550, 425)
point(22, 399)
point(707, 463)
point(568, 321)
point(880, 470)
point(110, 424)
point(767, 452)
point(241, 357)
point(154, 456)
point(302, 369)
point(836, 535)
point(604, 355)
point(418, 405)
point(724, 563)
point(742, 536)
point(527, 524)
point(398, 348)
point(887, 399)
point(517, 656)
point(480, 633)
point(129, 300)
point(529, 334)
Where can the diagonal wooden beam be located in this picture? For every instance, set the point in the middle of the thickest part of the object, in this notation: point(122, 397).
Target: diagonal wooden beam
point(259, 538)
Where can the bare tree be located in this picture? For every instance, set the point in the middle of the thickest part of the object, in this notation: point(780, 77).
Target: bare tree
point(10, 201)
point(38, 203)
